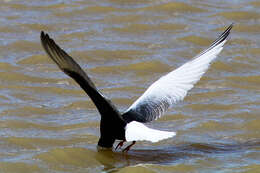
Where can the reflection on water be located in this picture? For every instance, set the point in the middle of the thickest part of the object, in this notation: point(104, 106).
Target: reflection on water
point(82, 158)
point(170, 155)
point(48, 124)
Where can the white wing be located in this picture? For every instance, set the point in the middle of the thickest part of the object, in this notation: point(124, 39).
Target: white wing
point(174, 86)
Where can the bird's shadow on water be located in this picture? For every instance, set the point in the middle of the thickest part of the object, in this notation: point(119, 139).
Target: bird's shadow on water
point(113, 161)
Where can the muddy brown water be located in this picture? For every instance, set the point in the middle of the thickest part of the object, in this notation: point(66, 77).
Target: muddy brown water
point(48, 124)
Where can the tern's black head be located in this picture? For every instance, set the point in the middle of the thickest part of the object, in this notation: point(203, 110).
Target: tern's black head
point(112, 127)
point(106, 142)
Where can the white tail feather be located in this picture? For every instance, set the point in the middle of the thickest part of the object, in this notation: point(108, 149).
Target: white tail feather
point(136, 131)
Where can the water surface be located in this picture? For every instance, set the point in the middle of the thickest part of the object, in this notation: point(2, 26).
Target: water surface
point(48, 124)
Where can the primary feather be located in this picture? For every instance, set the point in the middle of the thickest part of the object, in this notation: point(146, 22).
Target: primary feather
point(173, 87)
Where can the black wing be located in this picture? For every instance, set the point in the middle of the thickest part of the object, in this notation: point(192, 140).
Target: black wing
point(72, 69)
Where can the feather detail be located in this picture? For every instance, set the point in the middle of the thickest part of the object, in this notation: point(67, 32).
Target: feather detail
point(173, 87)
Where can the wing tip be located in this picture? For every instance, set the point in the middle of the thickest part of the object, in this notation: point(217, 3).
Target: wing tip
point(221, 38)
point(232, 24)
point(46, 40)
point(43, 34)
point(227, 31)
point(44, 37)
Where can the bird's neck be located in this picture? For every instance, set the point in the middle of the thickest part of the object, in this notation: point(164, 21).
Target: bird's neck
point(112, 127)
point(112, 124)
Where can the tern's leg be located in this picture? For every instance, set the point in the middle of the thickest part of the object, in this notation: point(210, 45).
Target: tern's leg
point(119, 145)
point(129, 146)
